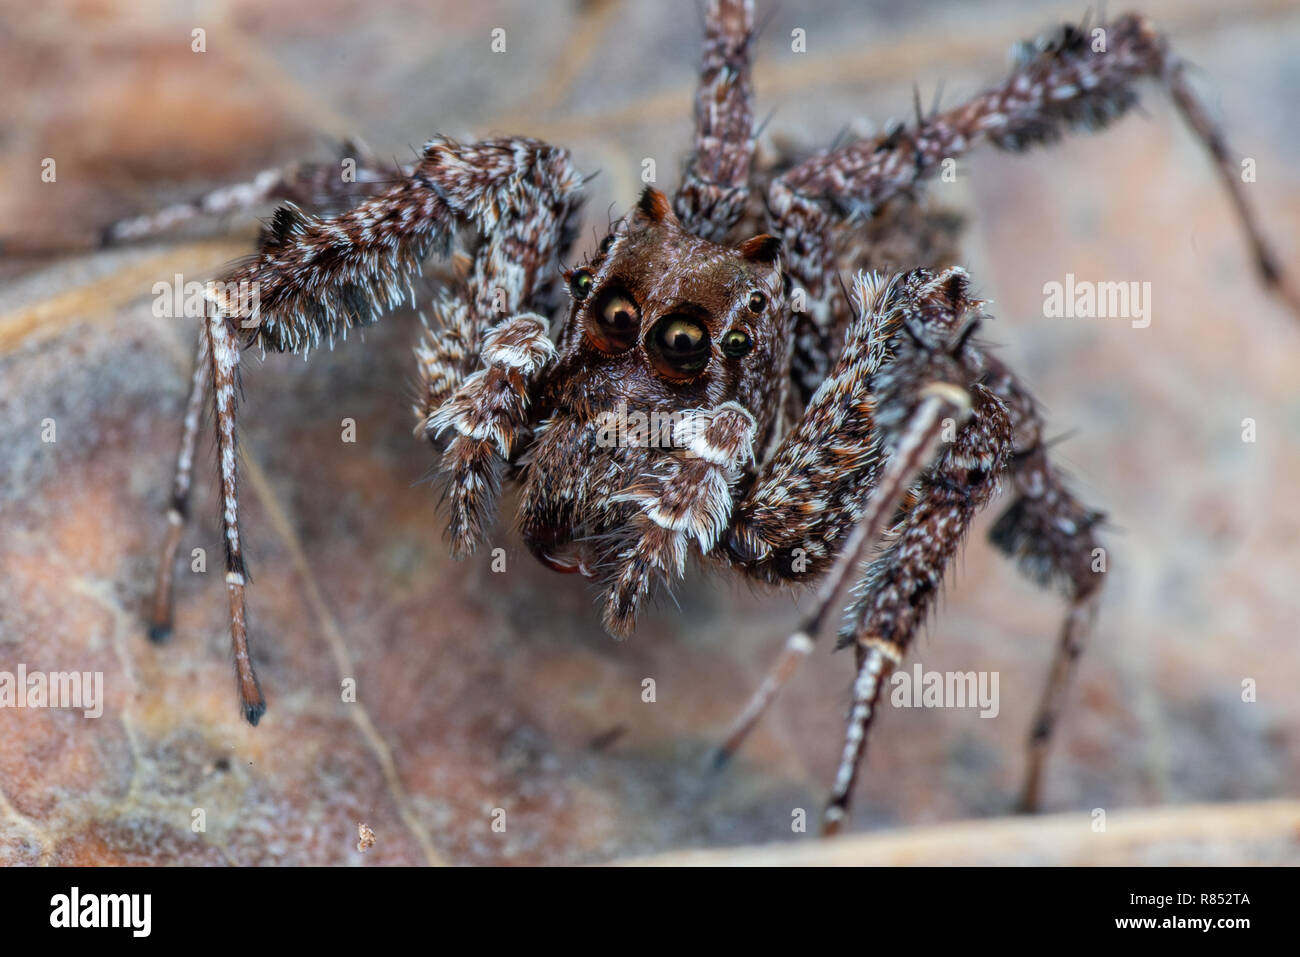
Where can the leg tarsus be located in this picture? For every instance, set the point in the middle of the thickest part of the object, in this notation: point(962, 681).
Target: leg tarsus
point(1074, 633)
point(874, 666)
point(797, 648)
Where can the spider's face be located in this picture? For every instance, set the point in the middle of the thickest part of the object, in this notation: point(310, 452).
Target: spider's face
point(662, 323)
point(662, 319)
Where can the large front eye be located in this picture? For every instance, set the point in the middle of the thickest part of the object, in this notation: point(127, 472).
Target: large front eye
point(679, 346)
point(617, 322)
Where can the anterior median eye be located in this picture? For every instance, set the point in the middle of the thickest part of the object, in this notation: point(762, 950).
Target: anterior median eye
point(736, 344)
point(679, 346)
point(617, 321)
point(580, 283)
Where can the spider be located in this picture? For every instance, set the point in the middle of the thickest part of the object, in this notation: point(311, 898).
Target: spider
point(803, 429)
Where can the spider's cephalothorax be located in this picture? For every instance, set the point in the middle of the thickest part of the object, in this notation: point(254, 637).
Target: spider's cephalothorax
point(711, 391)
point(670, 338)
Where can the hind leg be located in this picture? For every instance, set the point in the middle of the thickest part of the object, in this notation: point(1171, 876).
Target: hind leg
point(1051, 535)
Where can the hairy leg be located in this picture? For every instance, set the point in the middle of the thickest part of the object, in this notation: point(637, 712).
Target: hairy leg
point(687, 499)
point(901, 585)
point(915, 450)
point(813, 490)
point(322, 187)
point(1063, 82)
point(1046, 529)
point(715, 189)
point(911, 331)
point(314, 278)
point(223, 352)
point(485, 417)
point(1052, 537)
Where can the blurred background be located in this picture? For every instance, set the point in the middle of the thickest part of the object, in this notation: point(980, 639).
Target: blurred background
point(478, 691)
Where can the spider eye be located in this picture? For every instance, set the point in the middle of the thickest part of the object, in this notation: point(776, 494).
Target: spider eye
point(736, 344)
point(580, 283)
point(679, 346)
point(606, 243)
point(757, 301)
point(617, 322)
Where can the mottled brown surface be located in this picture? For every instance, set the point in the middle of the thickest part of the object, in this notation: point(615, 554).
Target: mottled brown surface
point(480, 690)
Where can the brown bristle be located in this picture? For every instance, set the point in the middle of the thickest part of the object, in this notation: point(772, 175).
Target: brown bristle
point(655, 206)
point(761, 249)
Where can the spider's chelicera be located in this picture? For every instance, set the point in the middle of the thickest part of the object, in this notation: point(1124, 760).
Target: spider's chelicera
point(842, 432)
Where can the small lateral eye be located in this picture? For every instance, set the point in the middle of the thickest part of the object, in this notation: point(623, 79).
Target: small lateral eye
point(736, 344)
point(606, 243)
point(757, 301)
point(580, 283)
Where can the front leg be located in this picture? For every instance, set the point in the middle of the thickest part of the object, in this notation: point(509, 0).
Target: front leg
point(689, 499)
point(901, 585)
point(484, 418)
point(833, 490)
point(314, 278)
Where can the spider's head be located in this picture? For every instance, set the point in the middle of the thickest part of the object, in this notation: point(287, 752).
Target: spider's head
point(664, 319)
point(662, 323)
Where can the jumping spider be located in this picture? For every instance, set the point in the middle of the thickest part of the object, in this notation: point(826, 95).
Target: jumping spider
point(820, 430)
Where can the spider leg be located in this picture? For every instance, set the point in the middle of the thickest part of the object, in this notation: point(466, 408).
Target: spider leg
point(823, 483)
point(474, 418)
point(485, 416)
point(1052, 537)
point(178, 508)
point(688, 498)
point(1061, 82)
point(827, 476)
point(320, 186)
point(900, 586)
point(915, 451)
point(223, 352)
point(714, 192)
point(314, 278)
